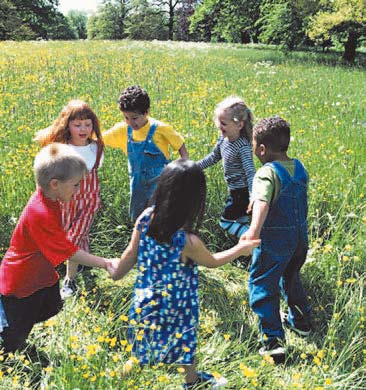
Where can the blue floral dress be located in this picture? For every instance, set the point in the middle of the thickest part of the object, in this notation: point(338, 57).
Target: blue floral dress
point(164, 311)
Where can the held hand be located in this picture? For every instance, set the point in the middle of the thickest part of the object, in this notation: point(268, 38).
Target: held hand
point(111, 266)
point(250, 235)
point(250, 207)
point(247, 245)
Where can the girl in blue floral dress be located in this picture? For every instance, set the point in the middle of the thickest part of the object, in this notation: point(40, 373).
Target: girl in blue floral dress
point(164, 312)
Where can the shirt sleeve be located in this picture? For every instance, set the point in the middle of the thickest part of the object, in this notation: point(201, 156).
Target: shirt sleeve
point(174, 139)
point(51, 239)
point(116, 137)
point(264, 185)
point(213, 157)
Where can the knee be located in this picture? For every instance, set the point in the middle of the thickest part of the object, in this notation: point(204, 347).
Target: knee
point(14, 336)
point(12, 342)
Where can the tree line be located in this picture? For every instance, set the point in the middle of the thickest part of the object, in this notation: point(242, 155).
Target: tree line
point(290, 24)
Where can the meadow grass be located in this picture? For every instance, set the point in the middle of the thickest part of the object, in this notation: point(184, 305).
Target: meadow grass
point(326, 107)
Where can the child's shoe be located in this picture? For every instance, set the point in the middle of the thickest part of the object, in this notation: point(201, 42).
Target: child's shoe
point(69, 288)
point(235, 228)
point(206, 381)
point(275, 349)
point(303, 330)
point(242, 262)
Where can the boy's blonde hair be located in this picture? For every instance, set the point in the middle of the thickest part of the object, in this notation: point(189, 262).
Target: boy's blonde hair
point(238, 111)
point(57, 161)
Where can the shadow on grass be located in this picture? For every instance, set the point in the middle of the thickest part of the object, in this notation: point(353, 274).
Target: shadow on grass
point(277, 55)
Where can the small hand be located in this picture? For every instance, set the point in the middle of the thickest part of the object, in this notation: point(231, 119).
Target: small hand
point(247, 245)
point(250, 207)
point(111, 266)
point(250, 234)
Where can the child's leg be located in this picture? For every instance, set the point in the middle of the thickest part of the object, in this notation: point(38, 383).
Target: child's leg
point(128, 367)
point(69, 286)
point(14, 336)
point(236, 228)
point(264, 292)
point(234, 218)
point(71, 269)
point(190, 372)
point(23, 313)
point(293, 291)
point(194, 378)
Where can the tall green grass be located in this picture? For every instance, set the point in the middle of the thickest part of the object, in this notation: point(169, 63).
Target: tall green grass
point(326, 107)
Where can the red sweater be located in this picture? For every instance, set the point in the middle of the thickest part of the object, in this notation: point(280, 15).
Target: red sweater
point(37, 246)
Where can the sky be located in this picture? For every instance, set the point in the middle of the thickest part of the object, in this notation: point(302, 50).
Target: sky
point(80, 5)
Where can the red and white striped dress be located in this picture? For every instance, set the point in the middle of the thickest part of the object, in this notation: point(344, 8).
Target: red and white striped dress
point(78, 214)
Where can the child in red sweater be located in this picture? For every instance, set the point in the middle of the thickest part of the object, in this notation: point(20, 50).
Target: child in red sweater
point(29, 283)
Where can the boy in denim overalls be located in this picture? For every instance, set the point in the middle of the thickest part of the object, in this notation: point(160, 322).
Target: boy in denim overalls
point(146, 142)
point(279, 218)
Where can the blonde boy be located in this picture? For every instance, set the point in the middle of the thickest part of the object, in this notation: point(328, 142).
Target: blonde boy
point(29, 284)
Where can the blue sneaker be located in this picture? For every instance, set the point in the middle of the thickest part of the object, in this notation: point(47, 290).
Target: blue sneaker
point(206, 381)
point(235, 228)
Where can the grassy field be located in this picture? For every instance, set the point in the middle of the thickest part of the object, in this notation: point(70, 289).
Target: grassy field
point(326, 107)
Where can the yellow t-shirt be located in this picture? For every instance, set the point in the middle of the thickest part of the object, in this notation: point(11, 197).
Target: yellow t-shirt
point(164, 135)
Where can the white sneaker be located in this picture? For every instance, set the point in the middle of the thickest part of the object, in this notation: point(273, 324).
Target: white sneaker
point(209, 380)
point(69, 288)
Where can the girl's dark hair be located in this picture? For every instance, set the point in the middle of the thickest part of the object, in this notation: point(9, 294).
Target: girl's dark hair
point(179, 200)
point(134, 99)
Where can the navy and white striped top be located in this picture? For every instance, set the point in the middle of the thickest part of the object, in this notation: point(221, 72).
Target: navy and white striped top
point(237, 160)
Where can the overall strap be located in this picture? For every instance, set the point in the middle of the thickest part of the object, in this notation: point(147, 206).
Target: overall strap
point(281, 172)
point(129, 133)
point(151, 132)
point(300, 173)
point(100, 148)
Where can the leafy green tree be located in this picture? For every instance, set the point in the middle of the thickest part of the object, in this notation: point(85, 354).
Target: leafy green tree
point(78, 21)
point(237, 21)
point(146, 22)
point(23, 19)
point(109, 22)
point(182, 17)
point(38, 15)
point(169, 7)
point(11, 24)
point(205, 19)
point(61, 29)
point(284, 22)
point(228, 20)
point(92, 27)
point(346, 19)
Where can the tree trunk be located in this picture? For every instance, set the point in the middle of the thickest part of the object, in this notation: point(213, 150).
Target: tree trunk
point(350, 46)
point(171, 23)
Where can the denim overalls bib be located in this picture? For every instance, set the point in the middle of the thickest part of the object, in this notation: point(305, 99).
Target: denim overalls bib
point(277, 261)
point(145, 163)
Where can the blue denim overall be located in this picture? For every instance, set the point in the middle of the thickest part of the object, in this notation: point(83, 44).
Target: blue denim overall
point(277, 261)
point(145, 163)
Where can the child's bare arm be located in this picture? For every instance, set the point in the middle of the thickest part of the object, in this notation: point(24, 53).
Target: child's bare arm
point(259, 215)
point(128, 258)
point(196, 250)
point(85, 258)
point(183, 151)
